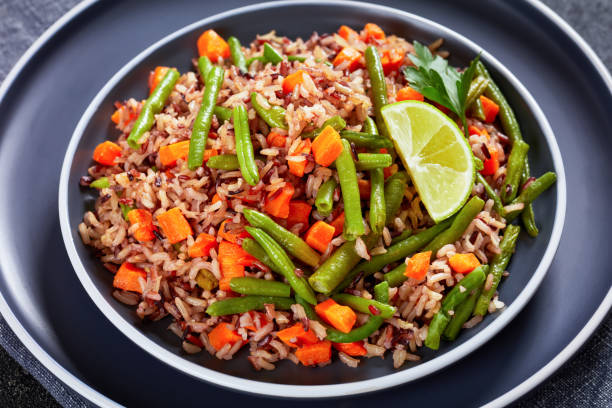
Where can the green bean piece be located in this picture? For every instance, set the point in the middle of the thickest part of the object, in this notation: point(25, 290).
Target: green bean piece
point(378, 84)
point(528, 216)
point(325, 197)
point(394, 194)
point(461, 315)
point(463, 218)
point(296, 58)
point(244, 304)
point(381, 292)
point(395, 277)
point(497, 203)
point(335, 122)
point(477, 88)
point(498, 265)
point(201, 125)
point(205, 65)
point(244, 146)
point(514, 170)
point(125, 209)
point(371, 161)
point(347, 174)
point(152, 106)
point(378, 215)
point(100, 183)
point(253, 248)
point(271, 55)
point(477, 111)
point(259, 287)
point(260, 58)
point(402, 249)
point(238, 58)
point(223, 162)
point(363, 305)
point(223, 114)
point(367, 140)
point(206, 280)
point(288, 240)
point(362, 332)
point(402, 236)
point(506, 114)
point(310, 313)
point(283, 263)
point(274, 117)
point(369, 126)
point(532, 191)
point(478, 164)
point(335, 269)
point(458, 294)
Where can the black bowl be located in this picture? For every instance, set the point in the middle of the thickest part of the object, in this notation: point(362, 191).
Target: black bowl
point(300, 19)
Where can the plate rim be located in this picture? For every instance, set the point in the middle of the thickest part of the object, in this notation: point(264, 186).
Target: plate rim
point(93, 395)
point(329, 390)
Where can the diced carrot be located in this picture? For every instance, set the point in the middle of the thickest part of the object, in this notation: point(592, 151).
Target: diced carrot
point(216, 198)
point(144, 219)
point(392, 59)
point(208, 153)
point(295, 167)
point(213, 46)
point(327, 146)
point(169, 154)
point(314, 353)
point(489, 108)
point(232, 260)
point(278, 206)
point(223, 334)
point(299, 213)
point(490, 165)
point(350, 55)
point(276, 139)
point(364, 188)
point(156, 76)
point(341, 317)
point(346, 32)
point(354, 349)
point(116, 115)
point(202, 246)
point(235, 235)
point(174, 225)
point(463, 263)
point(320, 235)
point(417, 266)
point(296, 336)
point(106, 153)
point(297, 78)
point(125, 112)
point(372, 32)
point(338, 224)
point(409, 94)
point(389, 171)
point(127, 276)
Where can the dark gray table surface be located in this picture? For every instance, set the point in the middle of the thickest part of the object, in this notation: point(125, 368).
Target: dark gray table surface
point(585, 381)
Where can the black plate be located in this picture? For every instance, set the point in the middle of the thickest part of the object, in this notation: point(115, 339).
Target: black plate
point(49, 304)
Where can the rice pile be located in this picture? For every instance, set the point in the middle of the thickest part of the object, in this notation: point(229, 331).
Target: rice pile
point(139, 180)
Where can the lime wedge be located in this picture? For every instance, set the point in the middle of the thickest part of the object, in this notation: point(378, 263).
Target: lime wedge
point(436, 154)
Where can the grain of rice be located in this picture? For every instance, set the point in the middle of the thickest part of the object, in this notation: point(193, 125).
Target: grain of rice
point(349, 361)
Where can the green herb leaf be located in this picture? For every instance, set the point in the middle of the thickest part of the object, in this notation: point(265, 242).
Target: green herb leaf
point(439, 82)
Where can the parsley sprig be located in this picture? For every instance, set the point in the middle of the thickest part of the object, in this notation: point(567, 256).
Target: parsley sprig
point(439, 82)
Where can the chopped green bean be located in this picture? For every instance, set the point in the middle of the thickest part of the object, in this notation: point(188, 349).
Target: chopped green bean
point(244, 146)
point(335, 122)
point(325, 197)
point(236, 53)
point(497, 203)
point(201, 124)
point(274, 116)
point(395, 187)
point(296, 58)
point(370, 161)
point(514, 170)
point(223, 114)
point(125, 209)
point(152, 106)
point(363, 305)
point(381, 292)
point(402, 236)
point(288, 240)
point(271, 55)
point(244, 304)
point(353, 219)
point(283, 263)
point(369, 126)
point(100, 183)
point(310, 313)
point(477, 111)
point(259, 287)
point(260, 58)
point(477, 88)
point(395, 277)
point(223, 162)
point(362, 332)
point(461, 315)
point(528, 216)
point(367, 140)
point(253, 248)
point(377, 201)
point(378, 85)
point(531, 192)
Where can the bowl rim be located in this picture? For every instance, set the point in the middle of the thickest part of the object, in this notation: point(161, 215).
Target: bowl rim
point(313, 391)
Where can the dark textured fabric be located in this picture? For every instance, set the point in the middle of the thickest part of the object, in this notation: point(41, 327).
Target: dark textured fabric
point(585, 381)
